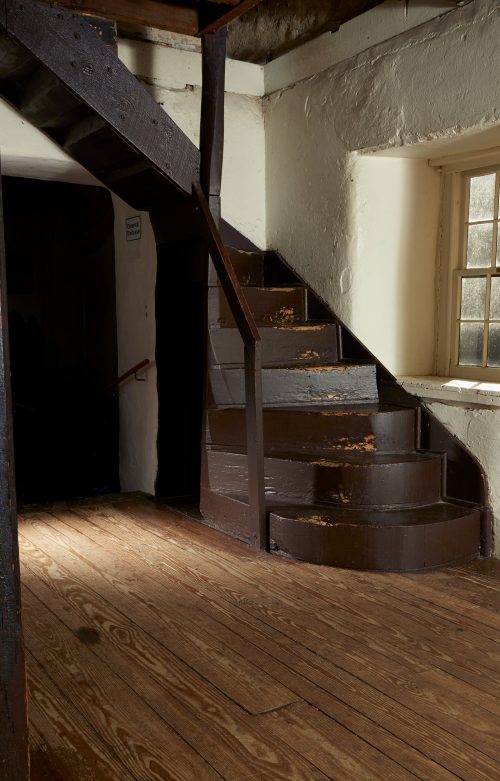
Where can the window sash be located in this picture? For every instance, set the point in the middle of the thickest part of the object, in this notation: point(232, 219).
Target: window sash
point(483, 371)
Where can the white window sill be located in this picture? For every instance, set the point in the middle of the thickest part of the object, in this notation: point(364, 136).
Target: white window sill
point(449, 389)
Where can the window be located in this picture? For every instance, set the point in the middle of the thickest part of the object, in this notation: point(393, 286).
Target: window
point(477, 337)
point(468, 336)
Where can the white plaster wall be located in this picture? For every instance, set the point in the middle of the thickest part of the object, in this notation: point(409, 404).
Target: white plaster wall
point(25, 151)
point(339, 216)
point(479, 429)
point(173, 77)
point(395, 210)
point(387, 20)
point(135, 317)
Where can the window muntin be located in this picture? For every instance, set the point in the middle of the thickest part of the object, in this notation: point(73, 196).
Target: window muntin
point(478, 288)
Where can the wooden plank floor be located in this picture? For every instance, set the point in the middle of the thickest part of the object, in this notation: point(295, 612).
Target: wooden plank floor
point(159, 649)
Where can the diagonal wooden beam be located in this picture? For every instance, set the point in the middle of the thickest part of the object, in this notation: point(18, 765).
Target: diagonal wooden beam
point(67, 47)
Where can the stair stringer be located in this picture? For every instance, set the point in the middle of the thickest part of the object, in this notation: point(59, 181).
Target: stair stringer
point(123, 137)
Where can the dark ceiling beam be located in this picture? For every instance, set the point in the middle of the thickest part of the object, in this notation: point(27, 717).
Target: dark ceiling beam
point(175, 17)
point(212, 19)
point(187, 18)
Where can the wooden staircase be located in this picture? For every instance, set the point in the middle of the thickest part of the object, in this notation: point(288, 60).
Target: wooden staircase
point(346, 483)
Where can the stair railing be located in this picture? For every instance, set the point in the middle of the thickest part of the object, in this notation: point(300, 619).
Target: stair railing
point(132, 371)
point(253, 366)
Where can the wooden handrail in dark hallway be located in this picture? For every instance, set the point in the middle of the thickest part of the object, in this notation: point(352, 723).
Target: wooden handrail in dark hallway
point(130, 372)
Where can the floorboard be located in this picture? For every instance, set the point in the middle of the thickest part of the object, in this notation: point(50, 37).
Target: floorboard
point(159, 649)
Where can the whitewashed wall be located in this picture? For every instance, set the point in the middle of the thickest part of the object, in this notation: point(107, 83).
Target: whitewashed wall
point(173, 77)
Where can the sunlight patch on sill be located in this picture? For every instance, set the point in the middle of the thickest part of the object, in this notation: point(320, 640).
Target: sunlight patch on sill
point(449, 389)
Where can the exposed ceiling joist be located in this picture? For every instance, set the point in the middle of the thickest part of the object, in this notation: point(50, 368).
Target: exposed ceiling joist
point(192, 17)
point(231, 12)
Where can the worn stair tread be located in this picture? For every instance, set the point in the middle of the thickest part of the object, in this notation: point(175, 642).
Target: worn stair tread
point(249, 268)
point(309, 327)
point(309, 365)
point(297, 385)
point(359, 460)
point(345, 479)
point(327, 515)
point(401, 540)
point(269, 305)
point(313, 365)
point(331, 515)
point(338, 410)
point(288, 343)
point(321, 429)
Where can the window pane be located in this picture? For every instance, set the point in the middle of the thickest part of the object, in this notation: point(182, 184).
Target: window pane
point(495, 298)
point(479, 246)
point(471, 344)
point(473, 298)
point(494, 345)
point(482, 197)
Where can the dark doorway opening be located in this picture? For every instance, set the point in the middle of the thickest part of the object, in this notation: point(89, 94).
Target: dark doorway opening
point(62, 321)
point(180, 361)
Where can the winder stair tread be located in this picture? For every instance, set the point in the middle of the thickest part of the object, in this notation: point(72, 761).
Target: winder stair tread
point(401, 540)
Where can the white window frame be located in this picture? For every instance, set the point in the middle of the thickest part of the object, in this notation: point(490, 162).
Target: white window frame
point(452, 267)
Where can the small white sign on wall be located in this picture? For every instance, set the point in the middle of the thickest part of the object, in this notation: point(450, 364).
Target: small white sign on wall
point(133, 228)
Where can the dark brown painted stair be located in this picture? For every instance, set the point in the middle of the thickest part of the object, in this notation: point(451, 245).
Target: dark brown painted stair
point(293, 345)
point(345, 482)
point(369, 428)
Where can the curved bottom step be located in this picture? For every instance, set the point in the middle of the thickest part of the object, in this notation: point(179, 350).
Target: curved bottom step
point(397, 541)
point(404, 540)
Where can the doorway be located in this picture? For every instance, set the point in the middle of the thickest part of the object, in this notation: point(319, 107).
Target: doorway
point(180, 313)
point(60, 263)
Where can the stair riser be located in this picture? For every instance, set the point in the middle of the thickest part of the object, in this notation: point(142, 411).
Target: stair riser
point(269, 306)
point(249, 268)
point(338, 385)
point(317, 431)
point(370, 547)
point(361, 485)
point(290, 346)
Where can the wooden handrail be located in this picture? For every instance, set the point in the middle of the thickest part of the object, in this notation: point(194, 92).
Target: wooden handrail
point(253, 365)
point(133, 370)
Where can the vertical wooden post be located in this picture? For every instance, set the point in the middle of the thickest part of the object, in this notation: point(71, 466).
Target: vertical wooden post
point(213, 67)
point(255, 444)
point(212, 150)
point(14, 763)
point(213, 47)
